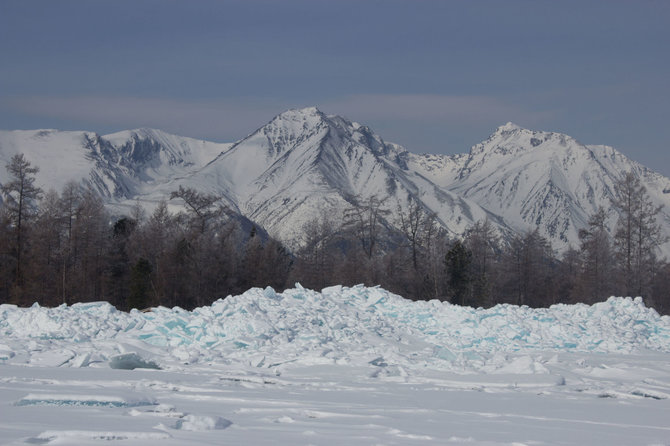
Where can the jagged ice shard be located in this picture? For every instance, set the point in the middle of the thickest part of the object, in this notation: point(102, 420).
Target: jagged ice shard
point(359, 365)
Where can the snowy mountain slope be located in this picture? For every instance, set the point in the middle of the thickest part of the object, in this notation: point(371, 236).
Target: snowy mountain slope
point(304, 163)
point(438, 168)
point(118, 166)
point(658, 186)
point(61, 157)
point(153, 155)
point(542, 179)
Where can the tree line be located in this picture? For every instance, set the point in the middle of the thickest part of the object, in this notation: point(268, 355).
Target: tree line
point(64, 247)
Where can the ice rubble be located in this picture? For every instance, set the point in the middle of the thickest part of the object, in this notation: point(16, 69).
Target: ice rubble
point(78, 436)
point(131, 361)
point(201, 423)
point(85, 400)
point(356, 326)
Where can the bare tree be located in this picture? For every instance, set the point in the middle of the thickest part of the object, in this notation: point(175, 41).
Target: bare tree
point(89, 248)
point(568, 273)
point(45, 262)
point(201, 206)
point(365, 219)
point(596, 251)
point(20, 198)
point(315, 260)
point(70, 202)
point(637, 236)
point(483, 243)
point(153, 241)
point(434, 275)
point(416, 225)
point(528, 260)
point(7, 274)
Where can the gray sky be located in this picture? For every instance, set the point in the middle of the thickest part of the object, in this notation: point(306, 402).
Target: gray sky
point(434, 76)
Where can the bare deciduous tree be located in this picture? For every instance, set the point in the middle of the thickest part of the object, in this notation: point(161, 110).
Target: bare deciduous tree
point(637, 236)
point(315, 259)
point(365, 219)
point(527, 261)
point(595, 279)
point(416, 225)
point(483, 243)
point(20, 198)
point(201, 206)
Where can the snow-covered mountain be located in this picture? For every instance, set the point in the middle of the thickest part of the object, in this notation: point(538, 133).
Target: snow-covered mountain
point(542, 179)
point(304, 164)
point(118, 166)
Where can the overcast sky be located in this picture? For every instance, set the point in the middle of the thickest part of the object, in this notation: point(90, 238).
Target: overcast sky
point(434, 76)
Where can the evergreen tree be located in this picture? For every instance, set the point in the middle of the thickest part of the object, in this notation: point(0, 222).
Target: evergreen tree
point(140, 285)
point(458, 263)
point(251, 274)
point(596, 277)
point(119, 262)
point(483, 242)
point(529, 275)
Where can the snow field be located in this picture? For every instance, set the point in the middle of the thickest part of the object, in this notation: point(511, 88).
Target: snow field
point(355, 366)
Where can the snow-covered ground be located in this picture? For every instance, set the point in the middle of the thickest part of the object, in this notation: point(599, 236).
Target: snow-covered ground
point(343, 366)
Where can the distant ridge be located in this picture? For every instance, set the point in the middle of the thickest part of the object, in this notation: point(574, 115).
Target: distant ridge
point(304, 163)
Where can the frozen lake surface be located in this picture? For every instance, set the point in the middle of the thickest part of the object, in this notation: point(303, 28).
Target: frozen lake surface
point(355, 366)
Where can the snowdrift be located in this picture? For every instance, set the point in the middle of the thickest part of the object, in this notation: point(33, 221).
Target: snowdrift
point(354, 326)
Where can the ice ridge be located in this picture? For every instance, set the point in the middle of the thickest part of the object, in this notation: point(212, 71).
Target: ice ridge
point(339, 325)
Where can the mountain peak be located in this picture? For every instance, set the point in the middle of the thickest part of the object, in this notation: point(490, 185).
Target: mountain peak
point(312, 110)
point(123, 136)
point(297, 113)
point(296, 120)
point(509, 127)
point(304, 161)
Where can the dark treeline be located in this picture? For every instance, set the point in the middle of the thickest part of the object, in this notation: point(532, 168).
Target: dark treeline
point(64, 248)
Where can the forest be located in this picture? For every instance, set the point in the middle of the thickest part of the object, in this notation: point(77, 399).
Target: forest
point(64, 247)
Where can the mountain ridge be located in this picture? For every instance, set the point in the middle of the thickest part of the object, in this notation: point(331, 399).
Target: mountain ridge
point(304, 163)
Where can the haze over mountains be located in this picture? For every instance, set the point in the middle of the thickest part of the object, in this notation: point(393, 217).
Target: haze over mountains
point(304, 164)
